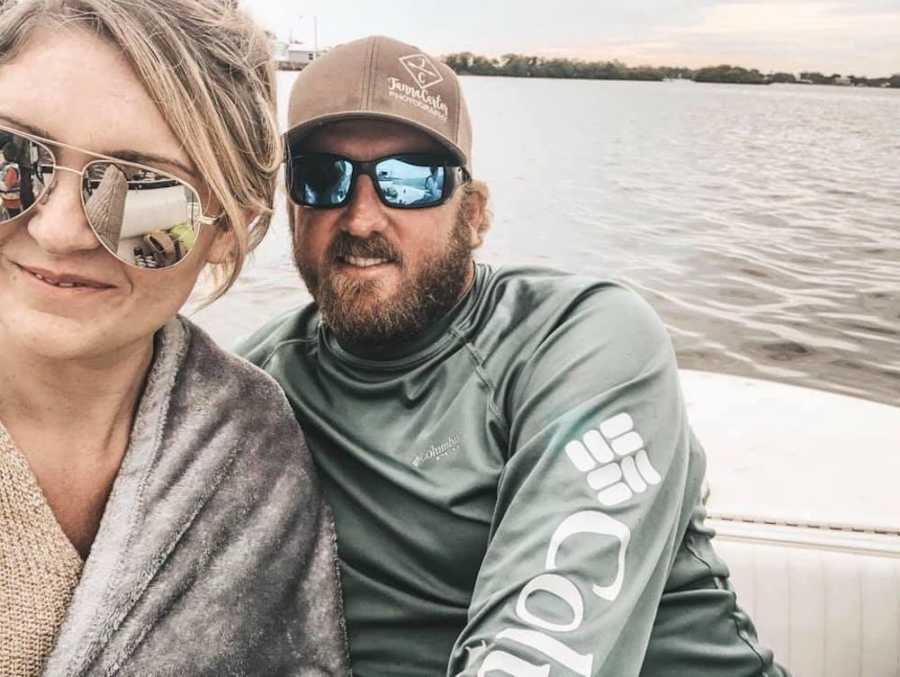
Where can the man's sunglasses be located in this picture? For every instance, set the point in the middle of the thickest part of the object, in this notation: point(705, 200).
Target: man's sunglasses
point(406, 181)
point(143, 216)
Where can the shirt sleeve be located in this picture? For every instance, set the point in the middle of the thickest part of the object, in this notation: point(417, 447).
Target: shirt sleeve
point(699, 628)
point(597, 491)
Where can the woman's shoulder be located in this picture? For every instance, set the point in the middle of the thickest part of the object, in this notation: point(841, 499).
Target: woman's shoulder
point(215, 367)
point(231, 401)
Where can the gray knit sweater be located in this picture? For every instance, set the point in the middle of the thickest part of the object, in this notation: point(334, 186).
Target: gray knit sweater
point(215, 554)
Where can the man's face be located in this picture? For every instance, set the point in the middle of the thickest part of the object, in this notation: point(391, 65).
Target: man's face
point(380, 275)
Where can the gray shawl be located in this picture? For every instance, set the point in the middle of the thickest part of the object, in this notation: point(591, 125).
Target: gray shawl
point(215, 554)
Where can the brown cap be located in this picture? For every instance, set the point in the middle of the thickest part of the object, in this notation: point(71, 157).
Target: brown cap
point(382, 78)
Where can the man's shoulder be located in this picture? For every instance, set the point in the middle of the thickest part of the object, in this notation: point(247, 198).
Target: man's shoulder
point(540, 283)
point(294, 326)
point(542, 323)
point(550, 299)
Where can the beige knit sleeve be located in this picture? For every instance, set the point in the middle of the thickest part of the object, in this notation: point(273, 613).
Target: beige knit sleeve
point(39, 568)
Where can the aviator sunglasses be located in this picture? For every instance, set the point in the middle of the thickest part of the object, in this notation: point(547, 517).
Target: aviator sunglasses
point(404, 181)
point(143, 216)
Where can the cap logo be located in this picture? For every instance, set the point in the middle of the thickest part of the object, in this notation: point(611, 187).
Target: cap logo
point(425, 74)
point(422, 70)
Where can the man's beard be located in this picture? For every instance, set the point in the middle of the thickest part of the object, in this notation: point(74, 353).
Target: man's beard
point(360, 317)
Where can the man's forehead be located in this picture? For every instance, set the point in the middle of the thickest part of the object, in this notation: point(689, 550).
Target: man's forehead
point(372, 138)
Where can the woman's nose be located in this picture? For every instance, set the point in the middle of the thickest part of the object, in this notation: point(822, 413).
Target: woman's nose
point(59, 224)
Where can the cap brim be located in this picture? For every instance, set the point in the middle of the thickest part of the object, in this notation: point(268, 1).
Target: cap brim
point(305, 128)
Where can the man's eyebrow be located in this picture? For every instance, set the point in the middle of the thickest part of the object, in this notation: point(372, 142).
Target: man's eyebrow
point(125, 155)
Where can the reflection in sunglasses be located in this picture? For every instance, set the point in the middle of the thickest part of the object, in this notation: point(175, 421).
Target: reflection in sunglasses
point(155, 223)
point(144, 217)
point(403, 181)
point(10, 188)
point(105, 203)
point(16, 189)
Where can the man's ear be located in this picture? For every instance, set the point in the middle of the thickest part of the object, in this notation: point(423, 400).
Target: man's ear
point(473, 212)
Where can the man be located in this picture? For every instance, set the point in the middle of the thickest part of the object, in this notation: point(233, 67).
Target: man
point(16, 175)
point(10, 187)
point(515, 486)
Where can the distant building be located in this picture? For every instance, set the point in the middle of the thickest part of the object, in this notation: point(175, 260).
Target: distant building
point(843, 81)
point(298, 55)
point(293, 55)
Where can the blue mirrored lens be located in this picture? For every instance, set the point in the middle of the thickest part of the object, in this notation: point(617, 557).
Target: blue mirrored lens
point(321, 181)
point(405, 184)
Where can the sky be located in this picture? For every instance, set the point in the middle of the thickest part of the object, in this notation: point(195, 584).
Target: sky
point(858, 37)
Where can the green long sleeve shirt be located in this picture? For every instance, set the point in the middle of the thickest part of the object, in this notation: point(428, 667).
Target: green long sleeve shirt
point(518, 491)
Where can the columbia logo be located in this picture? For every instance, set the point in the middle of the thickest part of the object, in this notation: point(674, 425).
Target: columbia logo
point(614, 459)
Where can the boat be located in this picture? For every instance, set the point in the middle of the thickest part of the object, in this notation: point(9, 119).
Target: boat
point(803, 497)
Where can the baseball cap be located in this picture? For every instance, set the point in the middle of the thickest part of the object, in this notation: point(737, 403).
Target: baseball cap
point(384, 79)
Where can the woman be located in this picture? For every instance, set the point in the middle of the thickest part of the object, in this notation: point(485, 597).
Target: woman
point(158, 512)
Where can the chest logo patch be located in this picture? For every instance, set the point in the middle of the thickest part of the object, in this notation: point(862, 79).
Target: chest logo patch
point(437, 452)
point(614, 459)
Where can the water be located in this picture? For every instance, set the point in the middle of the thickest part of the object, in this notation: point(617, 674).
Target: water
point(763, 223)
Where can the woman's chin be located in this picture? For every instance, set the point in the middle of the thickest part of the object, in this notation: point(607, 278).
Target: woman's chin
point(50, 337)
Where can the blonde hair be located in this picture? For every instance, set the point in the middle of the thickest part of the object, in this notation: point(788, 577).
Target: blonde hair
point(209, 68)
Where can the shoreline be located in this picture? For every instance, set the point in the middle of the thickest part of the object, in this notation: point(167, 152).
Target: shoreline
point(296, 67)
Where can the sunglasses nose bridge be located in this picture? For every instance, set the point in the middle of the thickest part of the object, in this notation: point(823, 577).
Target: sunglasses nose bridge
point(63, 168)
point(60, 226)
point(54, 181)
point(364, 213)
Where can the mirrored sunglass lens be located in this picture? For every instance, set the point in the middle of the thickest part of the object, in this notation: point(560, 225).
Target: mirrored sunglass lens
point(145, 218)
point(321, 181)
point(26, 169)
point(406, 184)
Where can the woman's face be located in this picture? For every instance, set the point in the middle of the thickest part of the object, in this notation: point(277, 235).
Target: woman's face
point(74, 88)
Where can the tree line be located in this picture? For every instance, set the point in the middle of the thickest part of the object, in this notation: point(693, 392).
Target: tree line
point(523, 66)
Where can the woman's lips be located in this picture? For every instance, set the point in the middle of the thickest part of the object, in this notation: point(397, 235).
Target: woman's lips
point(64, 280)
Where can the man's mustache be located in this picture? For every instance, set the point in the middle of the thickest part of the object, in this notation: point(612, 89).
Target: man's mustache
point(375, 247)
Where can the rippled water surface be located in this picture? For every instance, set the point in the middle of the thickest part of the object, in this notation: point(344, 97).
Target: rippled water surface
point(763, 223)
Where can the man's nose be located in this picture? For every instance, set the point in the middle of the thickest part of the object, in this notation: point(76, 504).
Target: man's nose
point(59, 224)
point(365, 214)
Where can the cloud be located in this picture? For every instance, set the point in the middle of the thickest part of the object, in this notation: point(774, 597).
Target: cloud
point(795, 36)
point(790, 35)
point(793, 18)
point(857, 37)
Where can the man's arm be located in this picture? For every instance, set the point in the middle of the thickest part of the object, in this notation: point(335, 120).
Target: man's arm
point(699, 628)
point(596, 496)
